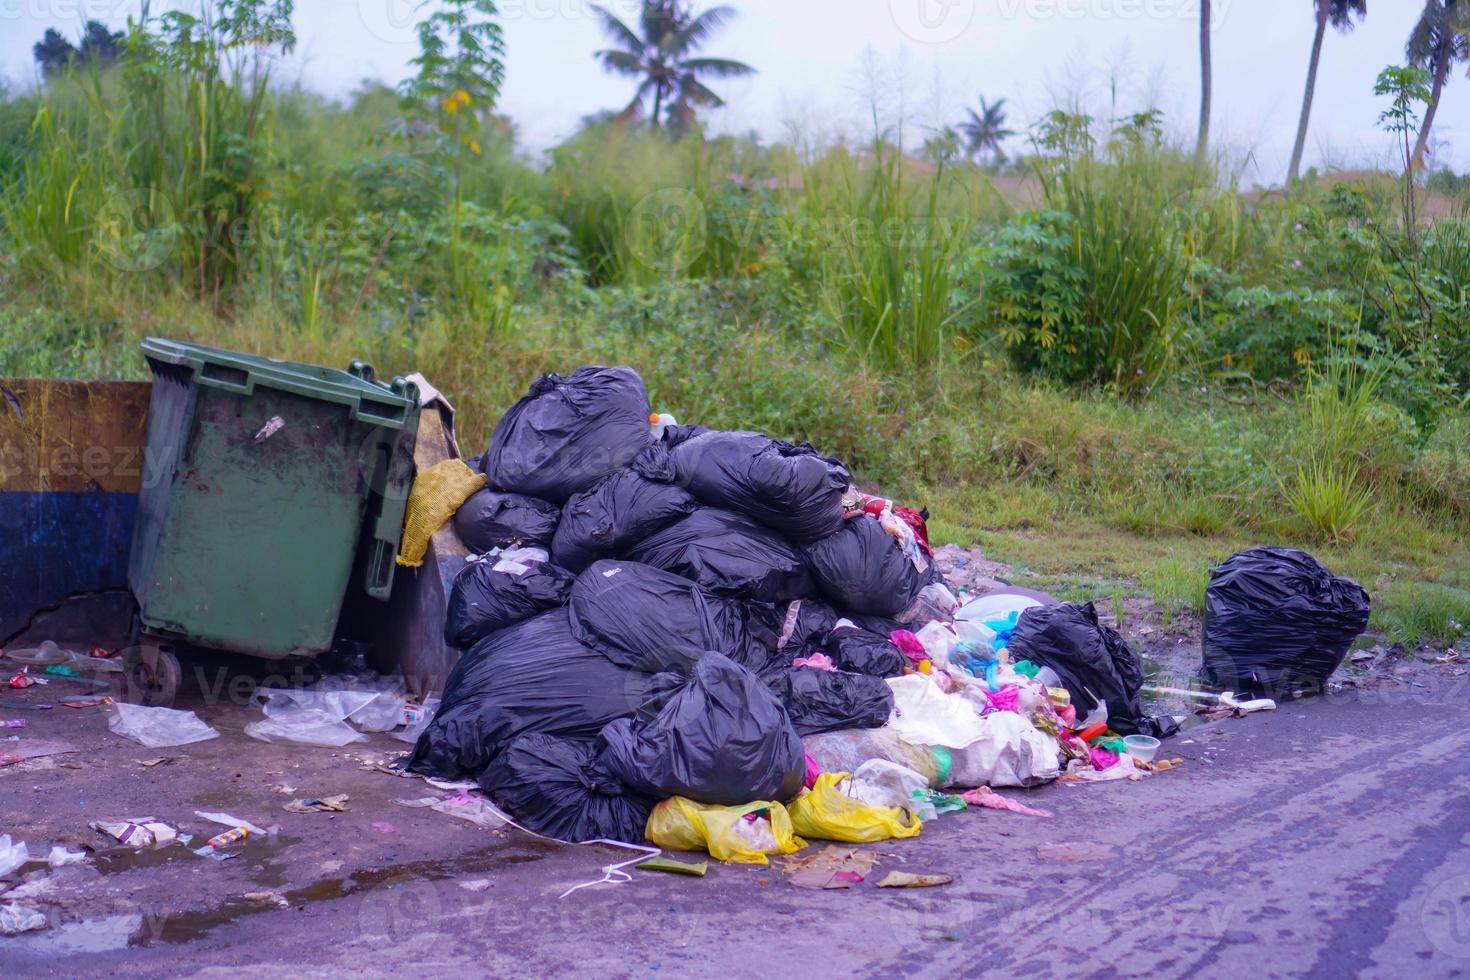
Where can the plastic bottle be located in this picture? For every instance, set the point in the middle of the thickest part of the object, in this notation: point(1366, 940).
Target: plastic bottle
point(659, 421)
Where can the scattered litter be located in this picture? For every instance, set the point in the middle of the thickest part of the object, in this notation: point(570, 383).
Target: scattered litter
point(1076, 851)
point(831, 867)
point(384, 827)
point(160, 761)
point(273, 898)
point(83, 701)
point(308, 717)
point(48, 654)
point(13, 723)
point(983, 797)
point(903, 879)
point(273, 425)
point(476, 884)
point(12, 855)
point(227, 820)
point(60, 857)
point(473, 808)
point(327, 804)
point(157, 727)
point(23, 750)
point(16, 919)
point(663, 862)
point(22, 679)
point(138, 831)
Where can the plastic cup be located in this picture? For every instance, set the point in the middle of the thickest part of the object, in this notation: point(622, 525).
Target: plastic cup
point(1142, 747)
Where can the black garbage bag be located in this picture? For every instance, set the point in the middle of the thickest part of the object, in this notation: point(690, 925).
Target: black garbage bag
point(491, 519)
point(791, 489)
point(861, 651)
point(646, 618)
point(830, 700)
point(863, 569)
point(1277, 622)
point(530, 677)
point(568, 433)
point(609, 519)
point(492, 593)
point(728, 554)
point(723, 738)
point(676, 435)
point(555, 787)
point(1093, 662)
point(802, 623)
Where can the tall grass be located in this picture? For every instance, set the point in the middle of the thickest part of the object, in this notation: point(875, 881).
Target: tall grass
point(889, 249)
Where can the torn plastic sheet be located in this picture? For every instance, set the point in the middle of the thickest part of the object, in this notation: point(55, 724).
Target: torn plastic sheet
point(309, 717)
point(156, 728)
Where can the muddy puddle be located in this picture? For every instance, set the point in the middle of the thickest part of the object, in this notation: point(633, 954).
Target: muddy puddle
point(116, 932)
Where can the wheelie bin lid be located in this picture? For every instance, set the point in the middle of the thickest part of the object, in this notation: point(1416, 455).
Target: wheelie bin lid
point(390, 405)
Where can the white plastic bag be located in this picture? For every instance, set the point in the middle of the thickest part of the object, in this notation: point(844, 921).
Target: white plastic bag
point(924, 715)
point(1011, 752)
point(879, 782)
point(309, 717)
point(15, 919)
point(13, 855)
point(156, 728)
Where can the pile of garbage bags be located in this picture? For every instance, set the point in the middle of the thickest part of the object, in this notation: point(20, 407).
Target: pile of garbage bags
point(721, 626)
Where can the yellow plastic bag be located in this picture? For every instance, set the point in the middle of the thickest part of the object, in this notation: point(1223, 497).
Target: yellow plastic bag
point(826, 813)
point(437, 493)
point(683, 825)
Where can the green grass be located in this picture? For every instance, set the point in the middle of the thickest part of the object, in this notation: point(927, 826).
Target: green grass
point(1415, 612)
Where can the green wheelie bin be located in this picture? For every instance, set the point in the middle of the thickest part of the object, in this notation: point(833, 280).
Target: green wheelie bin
point(262, 481)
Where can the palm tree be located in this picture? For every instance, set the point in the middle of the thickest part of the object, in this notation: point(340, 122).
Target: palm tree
point(984, 130)
point(660, 54)
point(1439, 39)
point(1206, 83)
point(1338, 13)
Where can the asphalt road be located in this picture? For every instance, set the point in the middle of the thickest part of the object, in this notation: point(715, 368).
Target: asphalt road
point(1329, 838)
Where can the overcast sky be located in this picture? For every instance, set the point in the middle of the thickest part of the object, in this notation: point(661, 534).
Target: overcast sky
point(822, 63)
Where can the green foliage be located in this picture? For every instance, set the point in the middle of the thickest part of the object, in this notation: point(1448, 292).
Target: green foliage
point(1093, 291)
point(1415, 612)
point(889, 271)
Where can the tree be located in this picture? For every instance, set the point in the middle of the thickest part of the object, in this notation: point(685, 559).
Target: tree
point(985, 130)
point(53, 52)
point(660, 55)
point(943, 147)
point(1440, 38)
point(1340, 14)
point(100, 45)
point(1206, 82)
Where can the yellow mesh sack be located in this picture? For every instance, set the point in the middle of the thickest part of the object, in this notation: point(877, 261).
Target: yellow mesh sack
point(437, 493)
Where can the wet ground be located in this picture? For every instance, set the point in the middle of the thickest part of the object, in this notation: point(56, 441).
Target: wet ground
point(1329, 837)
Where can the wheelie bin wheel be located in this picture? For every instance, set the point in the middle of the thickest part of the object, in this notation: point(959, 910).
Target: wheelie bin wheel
point(153, 674)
